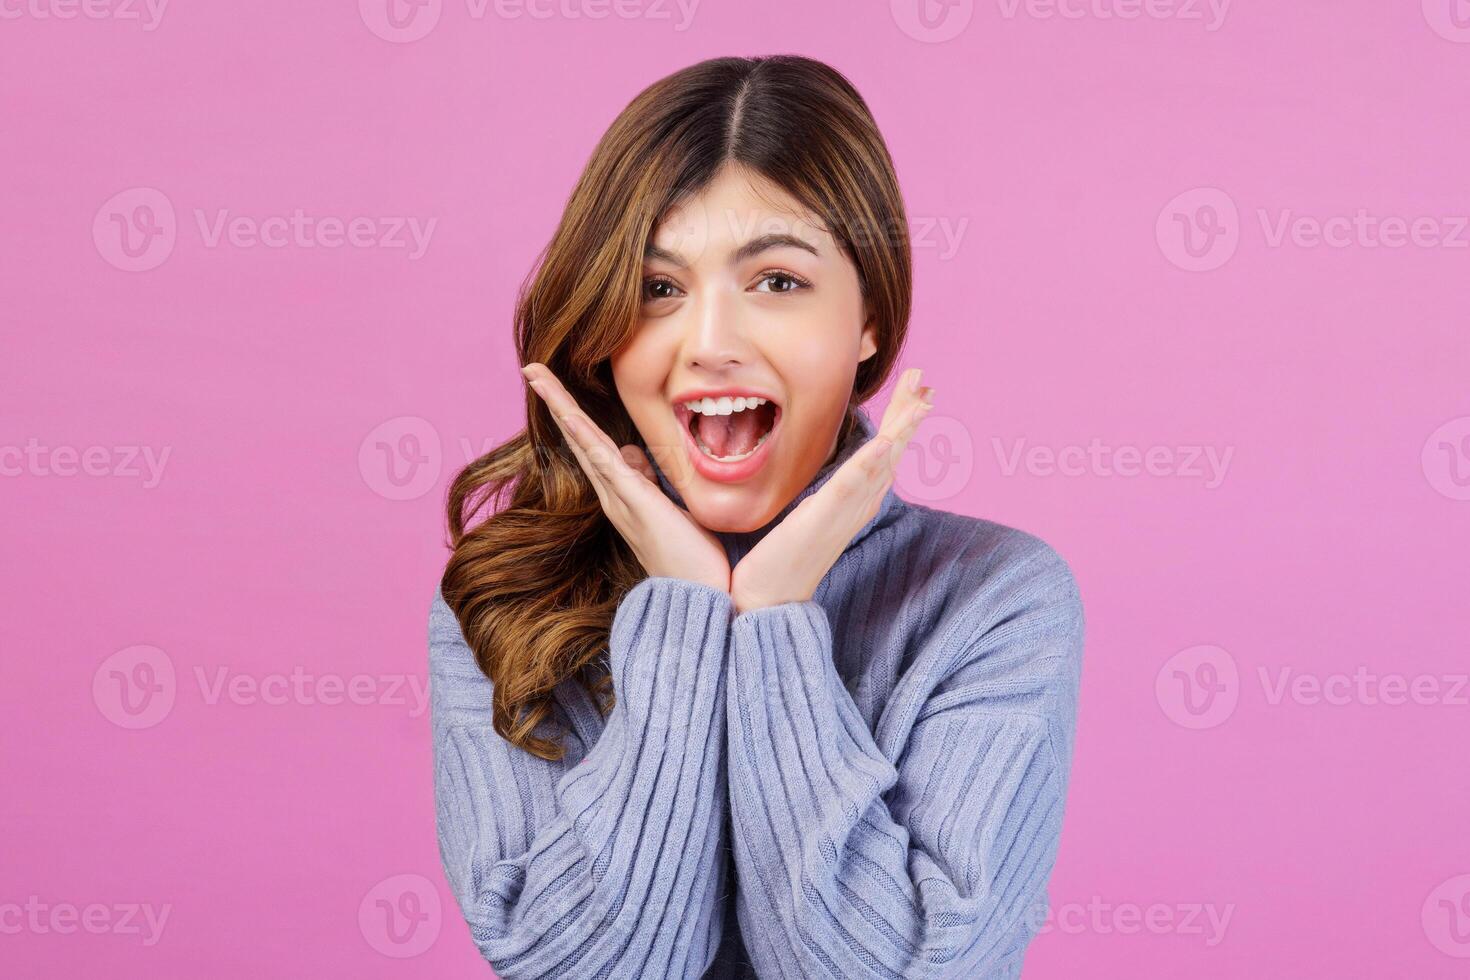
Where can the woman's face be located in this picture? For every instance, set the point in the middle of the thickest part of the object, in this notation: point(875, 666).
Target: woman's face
point(743, 296)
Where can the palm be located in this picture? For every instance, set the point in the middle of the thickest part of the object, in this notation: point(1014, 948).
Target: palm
point(666, 541)
point(674, 527)
point(787, 564)
point(791, 560)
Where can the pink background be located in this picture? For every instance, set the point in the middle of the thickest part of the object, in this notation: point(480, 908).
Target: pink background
point(314, 401)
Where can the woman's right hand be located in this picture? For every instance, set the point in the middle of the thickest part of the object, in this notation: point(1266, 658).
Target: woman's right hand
point(667, 541)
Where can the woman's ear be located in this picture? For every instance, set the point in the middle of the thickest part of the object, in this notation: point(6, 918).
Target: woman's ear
point(868, 345)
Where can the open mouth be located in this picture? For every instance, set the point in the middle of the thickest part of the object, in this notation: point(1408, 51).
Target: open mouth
point(728, 429)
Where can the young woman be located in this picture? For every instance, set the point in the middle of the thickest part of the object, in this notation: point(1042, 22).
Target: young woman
point(709, 699)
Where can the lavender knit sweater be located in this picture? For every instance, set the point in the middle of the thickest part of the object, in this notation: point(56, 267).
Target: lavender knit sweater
point(869, 784)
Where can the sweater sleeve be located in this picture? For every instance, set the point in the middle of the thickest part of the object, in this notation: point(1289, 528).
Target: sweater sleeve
point(608, 862)
point(931, 866)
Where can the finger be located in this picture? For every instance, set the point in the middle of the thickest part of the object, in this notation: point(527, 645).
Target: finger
point(865, 470)
point(575, 434)
point(562, 404)
point(906, 429)
point(909, 405)
point(611, 464)
point(916, 414)
point(848, 501)
point(905, 396)
point(634, 457)
point(596, 453)
point(876, 464)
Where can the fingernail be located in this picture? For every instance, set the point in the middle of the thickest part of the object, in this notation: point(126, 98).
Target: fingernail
point(914, 380)
point(929, 397)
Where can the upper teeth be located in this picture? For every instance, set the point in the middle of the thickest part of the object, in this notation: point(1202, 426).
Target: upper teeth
point(722, 406)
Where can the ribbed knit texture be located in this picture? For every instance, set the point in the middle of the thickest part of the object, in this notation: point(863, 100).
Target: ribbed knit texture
point(867, 784)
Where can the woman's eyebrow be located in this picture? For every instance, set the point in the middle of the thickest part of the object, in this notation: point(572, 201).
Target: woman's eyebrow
point(751, 248)
point(758, 245)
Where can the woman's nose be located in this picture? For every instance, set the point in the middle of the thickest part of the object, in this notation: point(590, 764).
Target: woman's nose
point(715, 337)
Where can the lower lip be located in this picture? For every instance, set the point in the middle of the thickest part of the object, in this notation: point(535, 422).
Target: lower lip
point(743, 469)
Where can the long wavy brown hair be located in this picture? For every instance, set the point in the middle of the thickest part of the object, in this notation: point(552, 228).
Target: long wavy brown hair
point(536, 582)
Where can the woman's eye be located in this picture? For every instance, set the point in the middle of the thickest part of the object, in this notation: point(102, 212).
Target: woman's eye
point(789, 282)
point(658, 288)
point(654, 289)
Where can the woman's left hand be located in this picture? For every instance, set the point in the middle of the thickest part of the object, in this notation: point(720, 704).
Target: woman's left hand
point(790, 562)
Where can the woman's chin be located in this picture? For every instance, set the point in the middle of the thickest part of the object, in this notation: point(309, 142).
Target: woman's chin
point(730, 516)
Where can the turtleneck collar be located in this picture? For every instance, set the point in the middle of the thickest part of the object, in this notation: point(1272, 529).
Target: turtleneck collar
point(738, 543)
